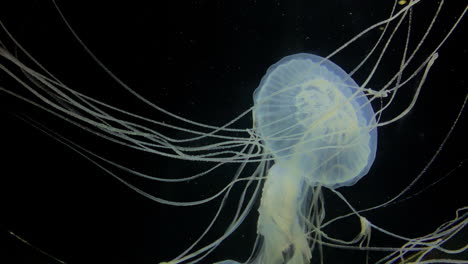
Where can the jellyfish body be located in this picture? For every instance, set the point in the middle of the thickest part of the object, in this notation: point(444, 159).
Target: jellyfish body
point(314, 121)
point(320, 128)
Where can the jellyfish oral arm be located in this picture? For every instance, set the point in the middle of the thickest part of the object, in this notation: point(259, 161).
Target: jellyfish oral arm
point(279, 223)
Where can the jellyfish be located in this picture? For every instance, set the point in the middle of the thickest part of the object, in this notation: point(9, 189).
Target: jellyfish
point(268, 190)
point(321, 131)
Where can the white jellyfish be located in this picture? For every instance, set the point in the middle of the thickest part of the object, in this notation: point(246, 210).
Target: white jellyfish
point(280, 177)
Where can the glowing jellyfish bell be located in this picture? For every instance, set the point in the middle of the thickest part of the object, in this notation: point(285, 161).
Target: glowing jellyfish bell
point(316, 121)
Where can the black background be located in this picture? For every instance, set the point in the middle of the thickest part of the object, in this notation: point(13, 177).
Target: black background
point(202, 60)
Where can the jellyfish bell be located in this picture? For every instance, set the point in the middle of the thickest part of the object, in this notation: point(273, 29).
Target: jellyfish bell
point(320, 140)
point(313, 116)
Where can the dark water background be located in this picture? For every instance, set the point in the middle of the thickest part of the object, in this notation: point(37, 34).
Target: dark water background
point(203, 60)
